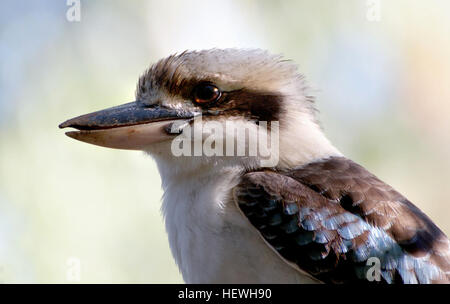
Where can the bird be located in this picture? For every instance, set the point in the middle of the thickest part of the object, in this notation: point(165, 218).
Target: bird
point(313, 216)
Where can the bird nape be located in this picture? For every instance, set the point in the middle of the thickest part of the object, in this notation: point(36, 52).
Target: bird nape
point(308, 215)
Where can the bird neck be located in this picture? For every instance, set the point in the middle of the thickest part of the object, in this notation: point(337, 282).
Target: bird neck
point(302, 141)
point(193, 209)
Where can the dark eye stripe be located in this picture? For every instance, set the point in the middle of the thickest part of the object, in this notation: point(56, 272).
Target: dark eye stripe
point(263, 106)
point(259, 105)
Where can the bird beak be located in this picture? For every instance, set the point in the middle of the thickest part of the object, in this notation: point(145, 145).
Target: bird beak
point(132, 126)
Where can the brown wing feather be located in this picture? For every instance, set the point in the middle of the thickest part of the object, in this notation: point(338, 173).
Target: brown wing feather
point(362, 193)
point(331, 216)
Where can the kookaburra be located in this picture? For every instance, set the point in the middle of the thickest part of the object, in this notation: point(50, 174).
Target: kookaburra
point(313, 216)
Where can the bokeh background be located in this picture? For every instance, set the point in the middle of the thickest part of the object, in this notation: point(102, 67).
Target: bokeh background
point(382, 83)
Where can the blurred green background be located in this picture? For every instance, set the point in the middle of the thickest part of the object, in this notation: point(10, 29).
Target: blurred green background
point(72, 212)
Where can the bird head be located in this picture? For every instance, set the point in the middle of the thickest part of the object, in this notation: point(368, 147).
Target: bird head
point(209, 99)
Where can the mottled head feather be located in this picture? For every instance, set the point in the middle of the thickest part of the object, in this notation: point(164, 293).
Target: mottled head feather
point(230, 69)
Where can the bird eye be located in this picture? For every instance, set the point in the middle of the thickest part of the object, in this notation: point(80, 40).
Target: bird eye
point(205, 93)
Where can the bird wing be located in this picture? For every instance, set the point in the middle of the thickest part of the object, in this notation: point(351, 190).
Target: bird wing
point(339, 223)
